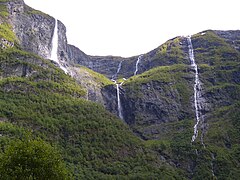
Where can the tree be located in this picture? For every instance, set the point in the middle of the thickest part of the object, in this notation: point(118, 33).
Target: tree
point(31, 159)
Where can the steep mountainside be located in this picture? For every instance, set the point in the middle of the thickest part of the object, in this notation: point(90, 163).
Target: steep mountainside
point(37, 96)
point(178, 104)
point(159, 105)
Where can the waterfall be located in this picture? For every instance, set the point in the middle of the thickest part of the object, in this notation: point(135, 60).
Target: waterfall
point(197, 90)
point(114, 77)
point(54, 52)
point(119, 101)
point(119, 106)
point(212, 166)
point(138, 61)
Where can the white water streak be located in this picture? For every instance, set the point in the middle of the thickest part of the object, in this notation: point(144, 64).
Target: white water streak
point(119, 101)
point(54, 52)
point(138, 61)
point(114, 77)
point(197, 89)
point(212, 166)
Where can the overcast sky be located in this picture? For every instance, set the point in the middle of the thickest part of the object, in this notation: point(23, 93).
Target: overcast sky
point(133, 27)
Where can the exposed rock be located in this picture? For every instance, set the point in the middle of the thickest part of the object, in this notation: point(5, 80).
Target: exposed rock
point(21, 66)
point(153, 103)
point(110, 98)
point(169, 53)
point(76, 55)
point(63, 45)
point(34, 29)
point(5, 43)
point(87, 80)
point(231, 37)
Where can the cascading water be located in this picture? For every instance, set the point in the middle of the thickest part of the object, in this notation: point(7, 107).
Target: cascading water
point(54, 52)
point(119, 101)
point(197, 90)
point(138, 60)
point(114, 77)
point(212, 166)
point(118, 85)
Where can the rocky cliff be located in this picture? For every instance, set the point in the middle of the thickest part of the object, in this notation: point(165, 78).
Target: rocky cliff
point(165, 93)
point(33, 28)
point(34, 32)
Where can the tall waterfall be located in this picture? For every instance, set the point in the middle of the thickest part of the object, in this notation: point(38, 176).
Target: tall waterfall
point(118, 85)
point(212, 166)
point(197, 90)
point(138, 60)
point(119, 101)
point(54, 52)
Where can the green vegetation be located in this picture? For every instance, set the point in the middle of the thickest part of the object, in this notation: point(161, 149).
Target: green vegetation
point(7, 33)
point(170, 88)
point(168, 77)
point(48, 78)
point(97, 77)
point(164, 80)
point(170, 53)
point(213, 50)
point(161, 74)
point(3, 10)
point(31, 159)
point(72, 138)
point(90, 139)
point(92, 142)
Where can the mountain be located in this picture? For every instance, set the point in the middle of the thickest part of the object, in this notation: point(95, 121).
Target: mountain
point(159, 104)
point(178, 104)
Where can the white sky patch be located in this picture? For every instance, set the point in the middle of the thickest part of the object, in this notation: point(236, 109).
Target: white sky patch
point(133, 27)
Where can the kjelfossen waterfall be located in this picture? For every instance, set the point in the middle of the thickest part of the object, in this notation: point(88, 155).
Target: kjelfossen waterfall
point(197, 90)
point(119, 101)
point(138, 61)
point(54, 52)
point(118, 85)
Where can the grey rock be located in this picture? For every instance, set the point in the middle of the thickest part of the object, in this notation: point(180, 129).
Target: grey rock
point(33, 29)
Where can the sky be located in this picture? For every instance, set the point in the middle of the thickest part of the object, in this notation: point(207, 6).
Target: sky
point(132, 27)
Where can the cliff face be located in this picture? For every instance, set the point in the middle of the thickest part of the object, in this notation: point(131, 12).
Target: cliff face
point(34, 29)
point(115, 67)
